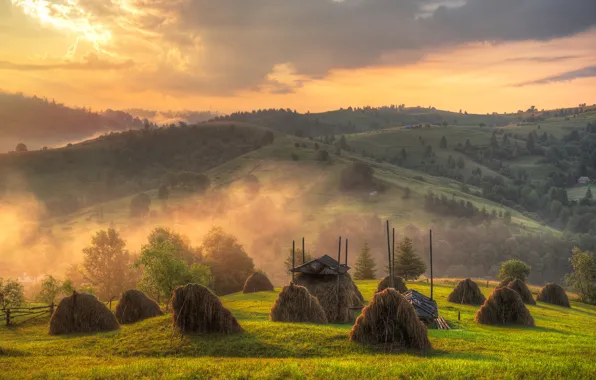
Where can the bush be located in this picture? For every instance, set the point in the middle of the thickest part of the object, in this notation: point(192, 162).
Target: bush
point(322, 155)
point(514, 269)
point(355, 176)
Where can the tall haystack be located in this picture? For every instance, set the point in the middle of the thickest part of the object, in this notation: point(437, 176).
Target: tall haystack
point(295, 304)
point(553, 294)
point(390, 320)
point(467, 292)
point(337, 304)
point(197, 310)
point(398, 282)
point(82, 313)
point(504, 282)
point(135, 306)
point(257, 282)
point(522, 289)
point(504, 306)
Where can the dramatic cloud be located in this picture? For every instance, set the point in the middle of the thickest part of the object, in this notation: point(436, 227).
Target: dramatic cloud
point(586, 72)
point(89, 62)
point(220, 47)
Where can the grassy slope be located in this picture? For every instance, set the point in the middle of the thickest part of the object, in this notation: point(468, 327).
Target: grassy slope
point(561, 346)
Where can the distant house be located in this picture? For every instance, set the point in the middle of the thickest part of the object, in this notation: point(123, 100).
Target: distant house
point(583, 180)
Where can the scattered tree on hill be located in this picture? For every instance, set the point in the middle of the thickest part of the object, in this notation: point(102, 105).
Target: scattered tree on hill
point(583, 277)
point(317, 146)
point(163, 192)
point(229, 263)
point(322, 155)
point(514, 269)
point(404, 154)
point(21, 148)
point(140, 205)
point(530, 142)
point(408, 264)
point(365, 265)
point(51, 289)
point(181, 246)
point(407, 192)
point(507, 217)
point(267, 138)
point(356, 176)
point(297, 258)
point(588, 195)
point(164, 270)
point(11, 294)
point(443, 143)
point(107, 264)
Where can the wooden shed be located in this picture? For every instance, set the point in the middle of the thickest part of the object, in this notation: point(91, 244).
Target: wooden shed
point(425, 307)
point(324, 265)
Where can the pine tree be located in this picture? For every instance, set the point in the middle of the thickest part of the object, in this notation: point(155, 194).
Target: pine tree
point(365, 266)
point(588, 195)
point(407, 263)
point(443, 143)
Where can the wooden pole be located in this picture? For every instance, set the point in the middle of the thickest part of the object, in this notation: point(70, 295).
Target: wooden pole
point(393, 259)
point(346, 252)
point(338, 266)
point(303, 254)
point(389, 254)
point(431, 263)
point(293, 260)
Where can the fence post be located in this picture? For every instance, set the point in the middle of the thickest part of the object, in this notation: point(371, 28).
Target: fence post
point(7, 317)
point(459, 316)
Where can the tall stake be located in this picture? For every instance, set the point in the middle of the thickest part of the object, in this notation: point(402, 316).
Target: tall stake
point(346, 252)
point(393, 260)
point(389, 254)
point(303, 257)
point(338, 266)
point(293, 260)
point(431, 263)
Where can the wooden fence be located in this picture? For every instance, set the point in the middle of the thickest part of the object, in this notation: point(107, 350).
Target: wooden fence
point(16, 315)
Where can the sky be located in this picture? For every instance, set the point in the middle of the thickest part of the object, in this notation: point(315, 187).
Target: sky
point(309, 55)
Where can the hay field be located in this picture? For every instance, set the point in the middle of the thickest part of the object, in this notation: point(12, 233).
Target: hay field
point(560, 346)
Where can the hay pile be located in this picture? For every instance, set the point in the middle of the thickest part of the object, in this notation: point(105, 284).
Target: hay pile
point(553, 294)
point(295, 304)
point(135, 306)
point(257, 282)
point(522, 289)
point(400, 284)
point(197, 310)
point(504, 307)
point(390, 320)
point(336, 303)
point(505, 282)
point(467, 292)
point(82, 313)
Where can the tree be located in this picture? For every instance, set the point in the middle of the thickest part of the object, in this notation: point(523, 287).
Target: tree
point(164, 269)
point(507, 217)
point(588, 195)
point(460, 162)
point(404, 154)
point(357, 175)
point(297, 258)
point(322, 155)
point(107, 264)
point(583, 277)
point(515, 269)
point(11, 294)
point(51, 289)
point(365, 265)
point(181, 244)
point(443, 143)
point(530, 142)
point(407, 263)
point(140, 205)
point(317, 146)
point(21, 148)
point(163, 192)
point(229, 263)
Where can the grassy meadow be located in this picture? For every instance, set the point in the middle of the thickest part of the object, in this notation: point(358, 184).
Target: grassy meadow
point(561, 346)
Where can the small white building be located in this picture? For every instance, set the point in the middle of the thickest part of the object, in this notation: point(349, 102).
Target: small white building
point(583, 180)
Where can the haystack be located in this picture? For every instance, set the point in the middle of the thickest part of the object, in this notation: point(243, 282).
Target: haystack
point(553, 294)
point(390, 320)
point(135, 306)
point(504, 306)
point(82, 313)
point(522, 289)
point(505, 282)
point(197, 310)
point(257, 282)
point(467, 292)
point(295, 304)
point(399, 283)
point(337, 304)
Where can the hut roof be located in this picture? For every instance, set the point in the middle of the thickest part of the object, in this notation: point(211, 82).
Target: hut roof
point(424, 306)
point(322, 265)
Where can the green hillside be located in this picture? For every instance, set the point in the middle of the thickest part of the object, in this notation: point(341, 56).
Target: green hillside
point(560, 346)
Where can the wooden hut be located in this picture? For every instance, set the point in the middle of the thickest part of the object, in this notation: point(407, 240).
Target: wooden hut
point(425, 307)
point(324, 265)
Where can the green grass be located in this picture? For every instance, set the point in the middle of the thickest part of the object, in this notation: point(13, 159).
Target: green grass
point(561, 346)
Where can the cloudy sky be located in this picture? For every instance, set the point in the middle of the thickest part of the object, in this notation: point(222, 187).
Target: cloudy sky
point(479, 55)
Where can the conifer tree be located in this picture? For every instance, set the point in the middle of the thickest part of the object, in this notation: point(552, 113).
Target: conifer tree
point(408, 264)
point(365, 265)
